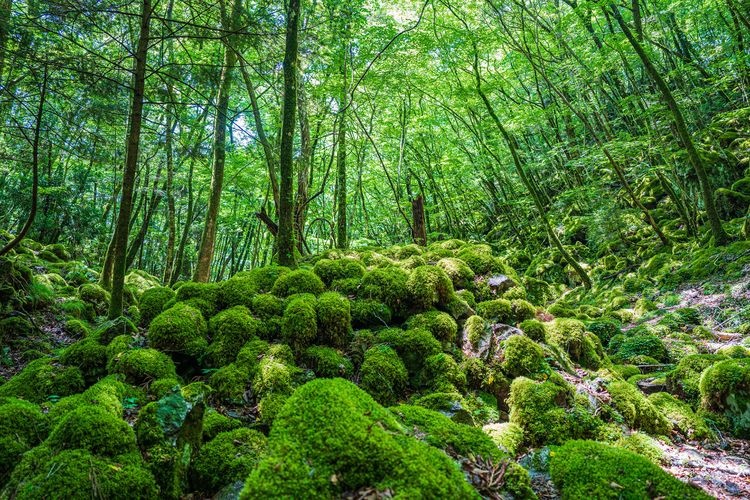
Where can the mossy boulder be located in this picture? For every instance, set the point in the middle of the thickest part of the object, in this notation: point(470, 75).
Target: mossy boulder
point(230, 382)
point(428, 286)
point(725, 388)
point(94, 429)
point(180, 329)
point(42, 379)
point(229, 331)
point(441, 325)
point(327, 362)
point(383, 374)
point(534, 329)
point(227, 458)
point(507, 436)
point(214, 423)
point(339, 269)
point(239, 290)
point(334, 319)
point(495, 311)
point(442, 373)
point(636, 409)
point(571, 336)
point(107, 331)
point(152, 303)
point(523, 357)
point(681, 416)
point(388, 286)
point(202, 296)
point(587, 469)
point(89, 356)
point(96, 296)
point(331, 429)
point(273, 376)
point(458, 271)
point(141, 366)
point(684, 380)
point(299, 325)
point(298, 281)
point(370, 312)
point(413, 346)
point(22, 427)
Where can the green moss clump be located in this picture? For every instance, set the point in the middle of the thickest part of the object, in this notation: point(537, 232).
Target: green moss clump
point(495, 311)
point(273, 376)
point(458, 271)
point(334, 319)
point(370, 312)
point(79, 474)
point(203, 296)
point(88, 355)
point(441, 372)
point(571, 336)
point(152, 302)
point(441, 325)
point(725, 387)
point(299, 325)
point(534, 329)
point(684, 380)
point(298, 281)
point(389, 286)
point(523, 357)
point(522, 310)
point(22, 427)
point(429, 286)
point(479, 258)
point(270, 405)
point(44, 378)
point(587, 469)
point(642, 345)
point(180, 329)
point(268, 309)
point(328, 362)
point(643, 445)
point(230, 382)
point(681, 416)
point(605, 329)
point(339, 269)
point(239, 290)
point(215, 423)
point(229, 331)
point(107, 331)
point(507, 436)
point(77, 328)
point(96, 296)
point(106, 394)
point(227, 458)
point(140, 366)
point(78, 309)
point(413, 346)
point(383, 374)
point(331, 429)
point(637, 411)
point(94, 429)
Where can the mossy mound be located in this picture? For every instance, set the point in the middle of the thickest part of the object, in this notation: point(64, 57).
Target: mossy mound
point(298, 281)
point(180, 329)
point(441, 325)
point(94, 429)
point(388, 286)
point(413, 346)
point(339, 269)
point(227, 458)
point(571, 336)
point(636, 409)
point(299, 325)
point(22, 427)
point(725, 387)
point(328, 362)
point(334, 319)
point(383, 374)
point(331, 429)
point(141, 366)
point(42, 379)
point(587, 469)
point(429, 286)
point(152, 303)
point(229, 330)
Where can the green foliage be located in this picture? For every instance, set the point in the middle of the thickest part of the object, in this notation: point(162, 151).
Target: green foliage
point(684, 380)
point(441, 372)
point(439, 324)
point(328, 362)
point(152, 303)
point(523, 357)
point(334, 319)
point(229, 457)
point(298, 281)
point(369, 312)
point(507, 436)
point(571, 336)
point(215, 423)
point(428, 286)
point(534, 329)
point(299, 325)
point(229, 331)
point(587, 469)
point(413, 346)
point(180, 329)
point(383, 374)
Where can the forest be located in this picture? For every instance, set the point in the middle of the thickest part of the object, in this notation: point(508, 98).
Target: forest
point(373, 249)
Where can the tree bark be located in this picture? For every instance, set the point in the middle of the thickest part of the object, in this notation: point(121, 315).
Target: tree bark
point(121, 233)
point(419, 231)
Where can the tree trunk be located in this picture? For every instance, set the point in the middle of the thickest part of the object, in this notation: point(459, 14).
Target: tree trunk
point(121, 232)
point(285, 238)
point(419, 231)
point(341, 225)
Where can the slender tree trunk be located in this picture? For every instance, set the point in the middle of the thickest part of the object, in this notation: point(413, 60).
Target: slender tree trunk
point(419, 231)
point(5, 6)
point(131, 163)
point(717, 230)
point(208, 240)
point(180, 256)
point(303, 171)
point(285, 237)
point(34, 170)
point(341, 225)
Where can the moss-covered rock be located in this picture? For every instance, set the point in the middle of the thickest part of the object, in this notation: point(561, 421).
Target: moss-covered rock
point(152, 303)
point(331, 429)
point(495, 311)
point(230, 382)
point(441, 325)
point(327, 362)
point(298, 281)
point(725, 387)
point(229, 331)
point(637, 411)
point(239, 290)
point(22, 427)
point(521, 310)
point(641, 345)
point(180, 329)
point(215, 423)
point(108, 330)
point(334, 319)
point(413, 346)
point(684, 380)
point(458, 271)
point(141, 366)
point(441, 372)
point(273, 376)
point(89, 356)
point(96, 296)
point(681, 416)
point(507, 436)
point(369, 312)
point(227, 458)
point(389, 286)
point(571, 336)
point(383, 374)
point(534, 329)
point(94, 429)
point(202, 296)
point(428, 286)
point(587, 469)
point(42, 379)
point(339, 269)
point(299, 325)
point(523, 357)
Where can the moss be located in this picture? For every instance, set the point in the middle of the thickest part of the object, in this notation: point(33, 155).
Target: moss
point(458, 271)
point(441, 432)
point(534, 329)
point(270, 405)
point(22, 427)
point(141, 366)
point(79, 474)
point(331, 270)
point(107, 331)
point(571, 336)
point(299, 326)
point(78, 309)
point(439, 324)
point(215, 423)
point(507, 436)
point(273, 375)
point(587, 469)
point(605, 329)
point(474, 330)
point(229, 457)
point(388, 286)
point(230, 382)
point(239, 290)
point(643, 445)
point(479, 258)
point(735, 351)
point(152, 303)
point(334, 319)
point(440, 372)
point(522, 310)
point(106, 394)
point(523, 357)
point(383, 374)
point(229, 331)
point(96, 296)
point(428, 286)
point(369, 312)
point(331, 429)
point(89, 356)
point(642, 345)
point(327, 362)
point(413, 346)
point(346, 286)
point(299, 281)
point(180, 329)
point(251, 354)
point(637, 411)
point(204, 296)
point(94, 429)
point(495, 311)
point(475, 371)
point(725, 387)
point(681, 416)
point(43, 378)
point(268, 309)
point(684, 380)
point(561, 311)
point(626, 371)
